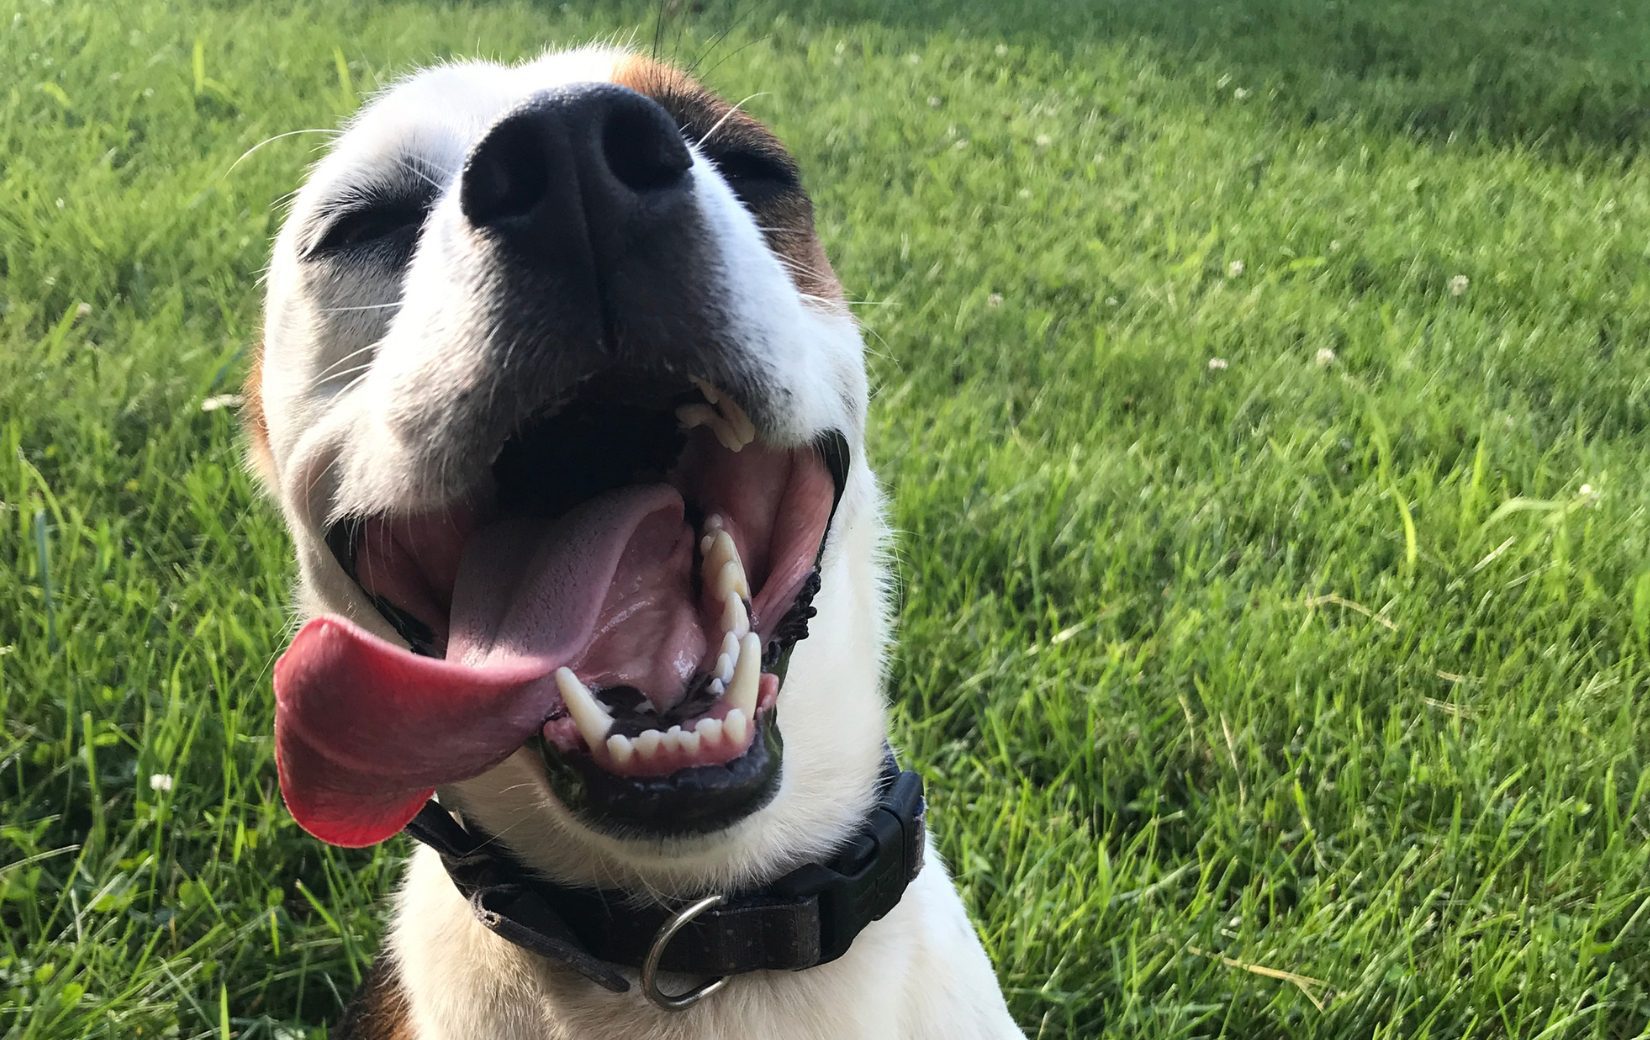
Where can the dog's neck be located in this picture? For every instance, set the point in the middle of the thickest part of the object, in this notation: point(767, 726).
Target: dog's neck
point(807, 917)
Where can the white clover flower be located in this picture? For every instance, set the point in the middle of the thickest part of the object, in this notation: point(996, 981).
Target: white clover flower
point(161, 782)
point(1459, 284)
point(1324, 357)
point(1235, 269)
point(212, 404)
point(1217, 364)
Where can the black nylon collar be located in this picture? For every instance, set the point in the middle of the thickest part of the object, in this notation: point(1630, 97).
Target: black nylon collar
point(806, 918)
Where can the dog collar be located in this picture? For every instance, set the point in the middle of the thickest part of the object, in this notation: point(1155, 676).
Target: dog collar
point(806, 918)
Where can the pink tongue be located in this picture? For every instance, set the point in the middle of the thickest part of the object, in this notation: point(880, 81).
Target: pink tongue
point(365, 730)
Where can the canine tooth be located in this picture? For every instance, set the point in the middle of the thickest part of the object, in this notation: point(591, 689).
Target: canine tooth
point(591, 718)
point(694, 415)
point(728, 436)
point(736, 418)
point(709, 731)
point(647, 743)
point(735, 618)
point(747, 676)
point(722, 560)
point(619, 749)
point(736, 726)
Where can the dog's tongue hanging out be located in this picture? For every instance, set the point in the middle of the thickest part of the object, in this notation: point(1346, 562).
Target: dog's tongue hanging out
point(366, 729)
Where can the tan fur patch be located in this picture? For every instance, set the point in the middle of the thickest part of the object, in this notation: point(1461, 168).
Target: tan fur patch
point(378, 1011)
point(786, 217)
point(254, 421)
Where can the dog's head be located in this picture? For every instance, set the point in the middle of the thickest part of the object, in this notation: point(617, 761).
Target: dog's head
point(564, 409)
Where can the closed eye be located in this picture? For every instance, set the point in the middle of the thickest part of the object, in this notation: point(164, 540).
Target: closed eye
point(370, 225)
point(754, 175)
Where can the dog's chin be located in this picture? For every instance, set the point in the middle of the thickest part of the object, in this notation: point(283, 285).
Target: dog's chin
point(518, 803)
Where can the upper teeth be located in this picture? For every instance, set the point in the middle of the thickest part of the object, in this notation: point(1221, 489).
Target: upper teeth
point(722, 414)
point(736, 678)
point(723, 566)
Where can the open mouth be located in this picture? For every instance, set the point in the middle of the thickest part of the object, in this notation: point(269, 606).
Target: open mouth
point(622, 589)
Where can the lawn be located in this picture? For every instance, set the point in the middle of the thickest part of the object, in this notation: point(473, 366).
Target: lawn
point(1263, 391)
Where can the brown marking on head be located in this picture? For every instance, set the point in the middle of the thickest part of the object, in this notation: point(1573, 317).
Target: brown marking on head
point(785, 213)
point(254, 421)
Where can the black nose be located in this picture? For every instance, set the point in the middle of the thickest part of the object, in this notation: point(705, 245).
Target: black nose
point(594, 158)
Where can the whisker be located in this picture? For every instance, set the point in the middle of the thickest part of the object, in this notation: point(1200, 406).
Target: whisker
point(719, 39)
point(363, 370)
point(309, 488)
point(269, 140)
point(765, 38)
point(331, 371)
point(419, 172)
point(363, 307)
point(729, 114)
point(658, 29)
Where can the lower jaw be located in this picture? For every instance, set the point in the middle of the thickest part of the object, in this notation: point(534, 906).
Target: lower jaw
point(696, 800)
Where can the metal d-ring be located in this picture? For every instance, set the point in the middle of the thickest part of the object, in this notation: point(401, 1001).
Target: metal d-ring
point(650, 966)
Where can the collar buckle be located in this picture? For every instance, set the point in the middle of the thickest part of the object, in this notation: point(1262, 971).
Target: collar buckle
point(872, 874)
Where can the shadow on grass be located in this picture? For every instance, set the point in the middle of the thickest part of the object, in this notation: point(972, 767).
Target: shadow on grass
point(1562, 76)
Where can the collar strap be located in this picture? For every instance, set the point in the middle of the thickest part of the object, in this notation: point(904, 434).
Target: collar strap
point(806, 918)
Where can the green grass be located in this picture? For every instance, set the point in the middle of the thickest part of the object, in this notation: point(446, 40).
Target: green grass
point(1331, 663)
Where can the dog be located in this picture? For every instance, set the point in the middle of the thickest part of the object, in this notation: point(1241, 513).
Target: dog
point(564, 408)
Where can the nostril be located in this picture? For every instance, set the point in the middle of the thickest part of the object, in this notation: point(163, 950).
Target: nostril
point(507, 175)
point(642, 149)
point(573, 161)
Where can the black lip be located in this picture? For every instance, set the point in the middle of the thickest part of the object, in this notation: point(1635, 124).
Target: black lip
point(832, 446)
point(698, 800)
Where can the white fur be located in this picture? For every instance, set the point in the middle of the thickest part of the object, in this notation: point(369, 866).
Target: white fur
point(351, 355)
